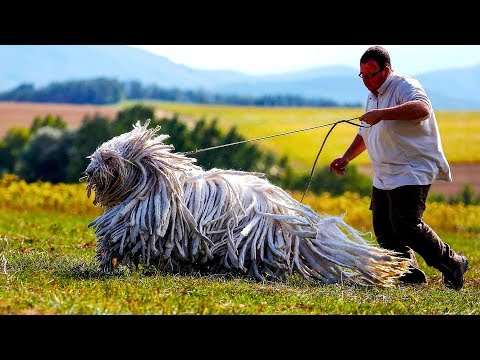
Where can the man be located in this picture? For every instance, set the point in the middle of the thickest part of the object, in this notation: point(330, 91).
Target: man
point(401, 136)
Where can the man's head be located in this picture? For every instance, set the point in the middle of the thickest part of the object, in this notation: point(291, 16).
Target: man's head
point(375, 67)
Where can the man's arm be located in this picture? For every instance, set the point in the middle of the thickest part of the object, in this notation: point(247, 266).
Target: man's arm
point(411, 110)
point(356, 148)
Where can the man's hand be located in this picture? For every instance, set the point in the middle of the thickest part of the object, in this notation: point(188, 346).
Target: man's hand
point(338, 165)
point(372, 117)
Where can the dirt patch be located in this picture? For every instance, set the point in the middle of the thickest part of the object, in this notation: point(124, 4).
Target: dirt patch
point(22, 113)
point(462, 174)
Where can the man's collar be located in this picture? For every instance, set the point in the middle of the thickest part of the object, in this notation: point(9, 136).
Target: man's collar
point(381, 90)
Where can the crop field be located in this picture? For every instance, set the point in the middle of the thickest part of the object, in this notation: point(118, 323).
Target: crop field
point(21, 114)
point(460, 131)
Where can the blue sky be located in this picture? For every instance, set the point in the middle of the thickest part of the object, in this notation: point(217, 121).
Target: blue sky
point(271, 59)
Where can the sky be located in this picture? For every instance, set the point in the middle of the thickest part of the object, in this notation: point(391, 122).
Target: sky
point(275, 59)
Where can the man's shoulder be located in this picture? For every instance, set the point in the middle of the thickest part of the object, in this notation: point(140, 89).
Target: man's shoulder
point(403, 81)
point(405, 78)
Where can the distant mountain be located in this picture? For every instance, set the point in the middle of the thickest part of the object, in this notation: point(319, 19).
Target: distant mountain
point(449, 89)
point(341, 85)
point(42, 64)
point(453, 89)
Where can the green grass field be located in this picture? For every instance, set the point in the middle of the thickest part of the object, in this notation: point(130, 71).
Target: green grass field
point(459, 130)
point(47, 266)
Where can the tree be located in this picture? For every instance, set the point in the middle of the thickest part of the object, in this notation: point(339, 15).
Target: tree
point(11, 147)
point(45, 156)
point(178, 132)
point(48, 120)
point(129, 116)
point(93, 133)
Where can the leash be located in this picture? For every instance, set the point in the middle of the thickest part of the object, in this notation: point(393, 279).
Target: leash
point(321, 148)
point(349, 121)
point(267, 137)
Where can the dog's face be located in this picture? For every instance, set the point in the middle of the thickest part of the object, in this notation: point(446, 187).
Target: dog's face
point(123, 164)
point(103, 175)
point(114, 170)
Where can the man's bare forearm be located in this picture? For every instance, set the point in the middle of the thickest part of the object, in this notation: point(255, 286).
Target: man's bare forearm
point(355, 149)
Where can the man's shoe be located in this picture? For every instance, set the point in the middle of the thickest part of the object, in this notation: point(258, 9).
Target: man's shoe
point(453, 277)
point(415, 276)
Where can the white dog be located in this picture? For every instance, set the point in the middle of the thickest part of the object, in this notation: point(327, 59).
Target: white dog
point(162, 210)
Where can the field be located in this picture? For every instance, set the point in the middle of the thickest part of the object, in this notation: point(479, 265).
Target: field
point(460, 132)
point(47, 252)
point(21, 114)
point(47, 267)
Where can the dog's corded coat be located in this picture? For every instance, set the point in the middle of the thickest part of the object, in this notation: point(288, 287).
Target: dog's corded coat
point(161, 209)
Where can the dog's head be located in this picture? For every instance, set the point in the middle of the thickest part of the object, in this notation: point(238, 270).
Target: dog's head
point(119, 166)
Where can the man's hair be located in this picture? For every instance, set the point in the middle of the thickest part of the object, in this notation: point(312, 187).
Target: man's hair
point(377, 53)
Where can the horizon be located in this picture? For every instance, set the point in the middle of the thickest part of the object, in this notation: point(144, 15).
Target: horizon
point(258, 60)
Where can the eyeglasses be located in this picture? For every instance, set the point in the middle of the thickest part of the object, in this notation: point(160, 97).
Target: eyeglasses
point(365, 76)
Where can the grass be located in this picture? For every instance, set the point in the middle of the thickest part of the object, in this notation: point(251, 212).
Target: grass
point(47, 267)
point(459, 129)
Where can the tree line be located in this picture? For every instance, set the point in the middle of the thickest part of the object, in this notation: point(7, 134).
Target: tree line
point(104, 91)
point(49, 151)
